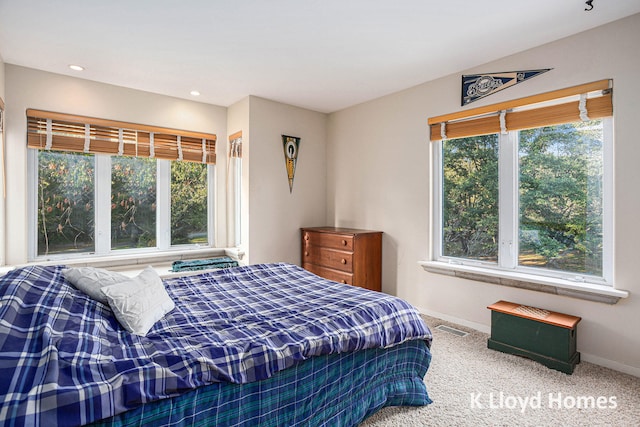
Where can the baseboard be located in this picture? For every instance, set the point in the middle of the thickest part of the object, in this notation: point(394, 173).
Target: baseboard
point(473, 325)
point(611, 364)
point(586, 357)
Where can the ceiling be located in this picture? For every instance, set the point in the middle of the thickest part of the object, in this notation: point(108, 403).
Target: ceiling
point(324, 55)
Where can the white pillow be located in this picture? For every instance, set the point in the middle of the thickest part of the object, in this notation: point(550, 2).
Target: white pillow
point(139, 302)
point(90, 280)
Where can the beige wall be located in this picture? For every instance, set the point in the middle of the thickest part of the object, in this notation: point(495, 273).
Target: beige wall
point(29, 88)
point(2, 79)
point(271, 215)
point(379, 171)
point(2, 200)
point(277, 215)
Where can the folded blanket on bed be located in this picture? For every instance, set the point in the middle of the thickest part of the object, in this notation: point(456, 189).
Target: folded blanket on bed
point(65, 359)
point(203, 264)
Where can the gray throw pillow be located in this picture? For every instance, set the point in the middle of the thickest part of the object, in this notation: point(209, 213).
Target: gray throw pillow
point(90, 280)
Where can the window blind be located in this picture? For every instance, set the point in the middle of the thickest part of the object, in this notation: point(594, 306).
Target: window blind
point(235, 145)
point(583, 102)
point(58, 131)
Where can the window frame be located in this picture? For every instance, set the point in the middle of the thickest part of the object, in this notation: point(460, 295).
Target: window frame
point(508, 214)
point(102, 199)
point(544, 109)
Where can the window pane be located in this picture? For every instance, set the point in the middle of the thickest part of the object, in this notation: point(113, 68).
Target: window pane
point(470, 198)
point(188, 203)
point(133, 202)
point(65, 202)
point(561, 173)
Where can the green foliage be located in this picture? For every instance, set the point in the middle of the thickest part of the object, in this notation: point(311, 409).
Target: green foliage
point(65, 202)
point(560, 197)
point(188, 203)
point(133, 202)
point(470, 213)
point(66, 213)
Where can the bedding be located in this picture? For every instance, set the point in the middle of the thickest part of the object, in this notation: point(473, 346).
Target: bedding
point(68, 361)
point(331, 390)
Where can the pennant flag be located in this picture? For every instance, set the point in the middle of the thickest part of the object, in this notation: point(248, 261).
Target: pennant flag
point(476, 86)
point(290, 144)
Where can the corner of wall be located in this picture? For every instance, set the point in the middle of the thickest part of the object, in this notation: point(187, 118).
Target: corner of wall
point(238, 119)
point(2, 78)
point(2, 157)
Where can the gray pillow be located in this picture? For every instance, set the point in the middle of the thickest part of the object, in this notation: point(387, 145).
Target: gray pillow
point(90, 280)
point(139, 302)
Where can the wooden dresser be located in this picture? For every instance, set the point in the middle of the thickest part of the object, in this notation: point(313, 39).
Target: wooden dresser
point(344, 255)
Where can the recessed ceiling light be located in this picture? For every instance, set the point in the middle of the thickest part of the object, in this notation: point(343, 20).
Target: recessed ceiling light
point(76, 67)
point(195, 93)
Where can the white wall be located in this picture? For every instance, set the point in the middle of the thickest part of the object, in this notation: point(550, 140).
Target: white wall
point(277, 215)
point(29, 88)
point(378, 177)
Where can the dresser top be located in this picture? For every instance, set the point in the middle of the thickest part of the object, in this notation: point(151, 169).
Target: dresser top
point(337, 230)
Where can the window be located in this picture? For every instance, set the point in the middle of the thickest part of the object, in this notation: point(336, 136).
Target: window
point(133, 202)
point(66, 203)
point(528, 189)
point(189, 216)
point(102, 189)
point(234, 189)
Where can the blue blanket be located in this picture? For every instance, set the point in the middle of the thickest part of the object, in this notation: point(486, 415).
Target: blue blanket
point(65, 360)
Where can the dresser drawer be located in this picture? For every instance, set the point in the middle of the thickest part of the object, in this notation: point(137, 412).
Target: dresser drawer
point(331, 258)
point(344, 255)
point(328, 240)
point(329, 273)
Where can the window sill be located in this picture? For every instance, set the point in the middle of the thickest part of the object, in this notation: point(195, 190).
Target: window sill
point(587, 291)
point(133, 264)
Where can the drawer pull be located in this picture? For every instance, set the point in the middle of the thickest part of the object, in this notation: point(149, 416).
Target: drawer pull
point(306, 237)
point(343, 281)
point(344, 261)
point(306, 254)
point(344, 243)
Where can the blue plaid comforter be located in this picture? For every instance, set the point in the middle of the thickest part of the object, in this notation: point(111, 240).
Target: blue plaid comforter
point(65, 360)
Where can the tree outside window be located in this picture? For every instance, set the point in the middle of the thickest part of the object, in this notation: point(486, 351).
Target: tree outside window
point(67, 214)
point(558, 205)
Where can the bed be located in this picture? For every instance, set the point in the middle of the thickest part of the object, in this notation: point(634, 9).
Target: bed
point(266, 344)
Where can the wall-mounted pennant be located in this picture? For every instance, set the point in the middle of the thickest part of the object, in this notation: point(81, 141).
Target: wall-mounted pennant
point(290, 144)
point(476, 86)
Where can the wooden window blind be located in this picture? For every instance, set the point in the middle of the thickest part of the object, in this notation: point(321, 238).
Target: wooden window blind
point(57, 131)
point(547, 109)
point(235, 145)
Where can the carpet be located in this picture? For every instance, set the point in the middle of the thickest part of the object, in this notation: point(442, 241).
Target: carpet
point(472, 385)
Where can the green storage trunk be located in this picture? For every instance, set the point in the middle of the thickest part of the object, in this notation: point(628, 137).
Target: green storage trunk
point(544, 336)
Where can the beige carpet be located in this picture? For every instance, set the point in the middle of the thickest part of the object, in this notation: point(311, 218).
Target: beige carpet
point(472, 385)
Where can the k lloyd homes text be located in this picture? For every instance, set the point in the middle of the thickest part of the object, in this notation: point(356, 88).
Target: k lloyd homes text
point(538, 401)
